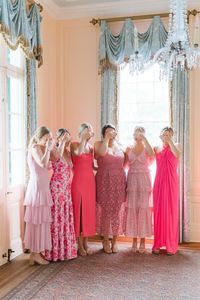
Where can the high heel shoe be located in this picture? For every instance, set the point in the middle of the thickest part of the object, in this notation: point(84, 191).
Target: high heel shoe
point(114, 246)
point(156, 251)
point(142, 248)
point(81, 250)
point(86, 248)
point(37, 258)
point(106, 246)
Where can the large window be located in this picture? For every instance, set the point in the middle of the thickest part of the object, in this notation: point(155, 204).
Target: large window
point(144, 101)
point(12, 144)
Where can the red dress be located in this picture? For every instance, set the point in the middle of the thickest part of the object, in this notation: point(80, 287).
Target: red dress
point(84, 194)
point(165, 197)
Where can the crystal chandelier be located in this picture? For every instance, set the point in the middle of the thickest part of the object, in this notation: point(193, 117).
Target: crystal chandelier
point(136, 61)
point(178, 50)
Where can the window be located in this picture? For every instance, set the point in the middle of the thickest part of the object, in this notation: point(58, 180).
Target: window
point(144, 101)
point(12, 144)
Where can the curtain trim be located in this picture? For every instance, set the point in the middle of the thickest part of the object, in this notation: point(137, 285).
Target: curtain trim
point(23, 42)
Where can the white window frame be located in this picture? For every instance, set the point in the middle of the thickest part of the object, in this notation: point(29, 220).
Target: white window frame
point(7, 70)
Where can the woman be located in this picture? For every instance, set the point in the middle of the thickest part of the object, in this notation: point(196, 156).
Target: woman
point(62, 227)
point(111, 187)
point(165, 194)
point(38, 199)
point(138, 157)
point(83, 188)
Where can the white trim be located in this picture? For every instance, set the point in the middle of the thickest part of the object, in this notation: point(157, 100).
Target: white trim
point(105, 9)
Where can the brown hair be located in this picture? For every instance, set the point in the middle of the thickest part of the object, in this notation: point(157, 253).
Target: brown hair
point(60, 132)
point(105, 127)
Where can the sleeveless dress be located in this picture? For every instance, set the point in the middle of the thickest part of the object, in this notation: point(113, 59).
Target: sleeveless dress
point(111, 194)
point(84, 194)
point(38, 204)
point(62, 227)
point(139, 217)
point(165, 197)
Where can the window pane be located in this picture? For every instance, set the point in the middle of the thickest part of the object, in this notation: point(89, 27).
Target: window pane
point(15, 132)
point(14, 95)
point(14, 57)
point(16, 167)
point(144, 101)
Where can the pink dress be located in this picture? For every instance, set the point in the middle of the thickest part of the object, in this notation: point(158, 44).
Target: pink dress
point(139, 217)
point(84, 194)
point(38, 204)
point(111, 194)
point(62, 227)
point(165, 196)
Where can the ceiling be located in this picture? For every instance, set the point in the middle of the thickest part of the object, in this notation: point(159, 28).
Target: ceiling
point(72, 9)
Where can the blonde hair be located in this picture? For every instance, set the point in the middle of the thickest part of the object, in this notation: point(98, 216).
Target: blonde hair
point(39, 133)
point(140, 129)
point(83, 127)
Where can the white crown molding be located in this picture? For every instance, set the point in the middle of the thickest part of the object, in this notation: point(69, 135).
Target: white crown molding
point(108, 9)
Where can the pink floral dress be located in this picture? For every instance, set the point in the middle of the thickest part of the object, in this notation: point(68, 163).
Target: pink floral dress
point(111, 194)
point(62, 227)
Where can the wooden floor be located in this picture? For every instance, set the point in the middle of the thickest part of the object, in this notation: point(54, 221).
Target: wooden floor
point(14, 272)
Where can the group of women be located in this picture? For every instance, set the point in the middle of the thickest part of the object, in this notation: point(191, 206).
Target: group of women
point(64, 210)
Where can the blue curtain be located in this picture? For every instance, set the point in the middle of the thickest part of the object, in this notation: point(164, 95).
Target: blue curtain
point(116, 50)
point(180, 122)
point(20, 26)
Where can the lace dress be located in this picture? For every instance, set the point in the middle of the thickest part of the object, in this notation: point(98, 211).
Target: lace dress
point(139, 189)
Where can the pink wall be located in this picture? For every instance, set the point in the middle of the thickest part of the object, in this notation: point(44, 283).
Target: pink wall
point(47, 75)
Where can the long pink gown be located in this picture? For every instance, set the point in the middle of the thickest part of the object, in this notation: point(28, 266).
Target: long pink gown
point(38, 204)
point(62, 227)
point(165, 197)
point(84, 194)
point(111, 194)
point(139, 217)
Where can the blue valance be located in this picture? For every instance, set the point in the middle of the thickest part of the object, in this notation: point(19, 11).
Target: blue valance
point(20, 25)
point(116, 50)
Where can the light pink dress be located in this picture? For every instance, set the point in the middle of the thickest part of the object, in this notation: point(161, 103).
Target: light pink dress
point(139, 217)
point(62, 227)
point(111, 194)
point(165, 197)
point(38, 204)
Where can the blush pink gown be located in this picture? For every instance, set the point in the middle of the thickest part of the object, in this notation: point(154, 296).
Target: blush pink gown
point(139, 216)
point(38, 204)
point(62, 227)
point(84, 194)
point(165, 197)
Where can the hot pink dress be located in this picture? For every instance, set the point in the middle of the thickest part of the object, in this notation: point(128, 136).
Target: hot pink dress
point(38, 204)
point(165, 196)
point(62, 227)
point(84, 194)
point(111, 194)
point(139, 217)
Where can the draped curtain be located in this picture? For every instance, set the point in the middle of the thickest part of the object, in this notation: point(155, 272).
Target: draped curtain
point(114, 52)
point(20, 26)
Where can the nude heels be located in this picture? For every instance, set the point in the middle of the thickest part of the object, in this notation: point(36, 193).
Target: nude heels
point(37, 258)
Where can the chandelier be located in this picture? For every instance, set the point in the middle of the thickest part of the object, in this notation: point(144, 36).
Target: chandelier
point(178, 51)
